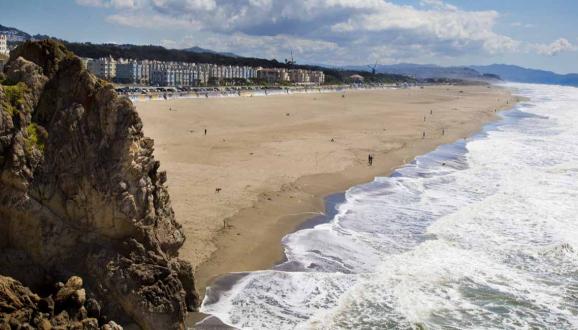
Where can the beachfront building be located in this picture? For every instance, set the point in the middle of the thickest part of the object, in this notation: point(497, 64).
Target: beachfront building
point(178, 74)
point(317, 77)
point(4, 44)
point(181, 74)
point(104, 68)
point(273, 75)
point(132, 72)
point(299, 76)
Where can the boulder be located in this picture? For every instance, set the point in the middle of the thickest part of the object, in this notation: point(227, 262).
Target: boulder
point(20, 308)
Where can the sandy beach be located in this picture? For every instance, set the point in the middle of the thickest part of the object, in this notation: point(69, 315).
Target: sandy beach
point(266, 163)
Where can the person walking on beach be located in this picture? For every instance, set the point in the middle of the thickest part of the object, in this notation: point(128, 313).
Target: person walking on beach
point(370, 160)
point(205, 131)
point(423, 135)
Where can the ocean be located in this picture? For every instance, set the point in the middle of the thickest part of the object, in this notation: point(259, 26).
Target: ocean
point(478, 234)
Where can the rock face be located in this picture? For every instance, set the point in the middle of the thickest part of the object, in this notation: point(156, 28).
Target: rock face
point(80, 191)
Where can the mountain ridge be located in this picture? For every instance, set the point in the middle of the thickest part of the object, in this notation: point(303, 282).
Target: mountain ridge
point(197, 49)
point(520, 74)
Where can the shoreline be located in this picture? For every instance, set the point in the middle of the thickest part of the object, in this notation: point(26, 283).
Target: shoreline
point(250, 237)
point(302, 213)
point(270, 247)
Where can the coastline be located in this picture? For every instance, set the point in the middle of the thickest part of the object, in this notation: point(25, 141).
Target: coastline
point(251, 236)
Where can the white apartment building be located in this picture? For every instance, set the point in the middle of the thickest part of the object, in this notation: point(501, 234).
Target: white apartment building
point(132, 72)
point(158, 73)
point(4, 44)
point(273, 75)
point(104, 68)
point(317, 77)
point(299, 76)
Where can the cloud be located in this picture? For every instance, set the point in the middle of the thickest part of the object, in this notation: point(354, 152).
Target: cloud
point(438, 4)
point(346, 30)
point(152, 22)
point(556, 47)
point(109, 3)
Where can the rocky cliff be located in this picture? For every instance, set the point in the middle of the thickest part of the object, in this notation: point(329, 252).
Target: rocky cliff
point(81, 193)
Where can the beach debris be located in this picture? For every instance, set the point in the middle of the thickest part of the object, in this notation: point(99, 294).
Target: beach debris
point(287, 114)
point(218, 190)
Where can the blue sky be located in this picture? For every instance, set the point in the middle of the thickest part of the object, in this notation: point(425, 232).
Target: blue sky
point(538, 34)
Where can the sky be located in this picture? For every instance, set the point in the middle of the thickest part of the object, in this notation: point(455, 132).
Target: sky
point(539, 34)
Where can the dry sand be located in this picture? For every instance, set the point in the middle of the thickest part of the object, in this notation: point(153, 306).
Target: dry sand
point(274, 161)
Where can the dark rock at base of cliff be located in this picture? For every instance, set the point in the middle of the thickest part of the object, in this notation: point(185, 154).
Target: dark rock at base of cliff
point(20, 308)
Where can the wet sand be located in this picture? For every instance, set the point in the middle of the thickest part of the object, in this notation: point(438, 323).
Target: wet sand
point(266, 163)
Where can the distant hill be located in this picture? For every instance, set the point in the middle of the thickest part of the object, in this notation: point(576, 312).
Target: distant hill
point(524, 75)
point(430, 71)
point(14, 35)
point(204, 50)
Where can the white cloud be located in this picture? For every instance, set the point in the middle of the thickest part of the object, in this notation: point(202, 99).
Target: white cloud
point(556, 47)
point(153, 22)
point(438, 4)
point(108, 3)
point(186, 5)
